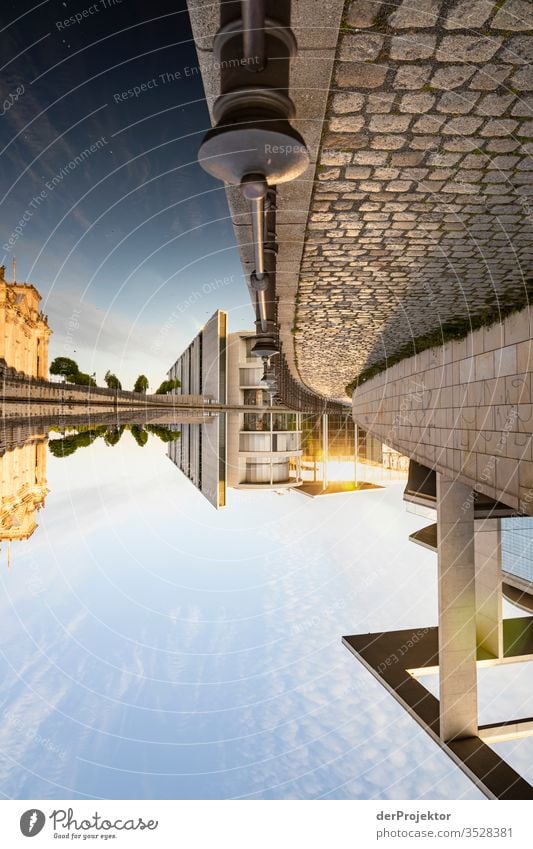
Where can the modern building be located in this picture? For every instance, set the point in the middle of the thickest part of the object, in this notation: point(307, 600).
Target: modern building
point(24, 330)
point(242, 449)
point(201, 368)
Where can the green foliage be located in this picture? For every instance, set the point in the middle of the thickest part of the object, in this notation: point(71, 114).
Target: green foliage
point(164, 433)
point(139, 434)
point(64, 366)
point(113, 434)
point(141, 384)
point(82, 379)
point(112, 381)
point(455, 328)
point(167, 386)
point(67, 445)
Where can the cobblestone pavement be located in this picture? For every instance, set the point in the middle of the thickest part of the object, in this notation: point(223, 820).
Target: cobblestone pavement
point(422, 209)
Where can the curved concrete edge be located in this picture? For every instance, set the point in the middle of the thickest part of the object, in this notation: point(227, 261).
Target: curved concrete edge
point(464, 409)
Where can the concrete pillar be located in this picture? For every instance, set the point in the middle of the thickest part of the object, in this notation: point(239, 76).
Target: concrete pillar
point(457, 609)
point(489, 625)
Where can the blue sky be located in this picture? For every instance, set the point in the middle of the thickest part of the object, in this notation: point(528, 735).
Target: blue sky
point(136, 232)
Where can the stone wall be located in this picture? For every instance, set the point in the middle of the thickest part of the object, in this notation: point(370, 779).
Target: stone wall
point(464, 408)
point(37, 398)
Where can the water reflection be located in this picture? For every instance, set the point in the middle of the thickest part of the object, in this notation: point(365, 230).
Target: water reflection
point(81, 436)
point(155, 647)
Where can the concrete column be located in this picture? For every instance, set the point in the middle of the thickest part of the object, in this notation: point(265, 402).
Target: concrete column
point(489, 624)
point(457, 610)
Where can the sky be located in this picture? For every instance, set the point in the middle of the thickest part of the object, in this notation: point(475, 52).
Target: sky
point(131, 245)
point(154, 647)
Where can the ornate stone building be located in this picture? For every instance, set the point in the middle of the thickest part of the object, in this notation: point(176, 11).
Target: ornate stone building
point(24, 329)
point(22, 484)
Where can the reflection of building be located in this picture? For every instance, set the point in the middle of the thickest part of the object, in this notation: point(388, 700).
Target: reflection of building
point(22, 488)
point(264, 448)
point(24, 329)
point(268, 448)
point(242, 449)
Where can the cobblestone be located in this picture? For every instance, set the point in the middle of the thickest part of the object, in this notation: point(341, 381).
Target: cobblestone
point(468, 14)
point(415, 13)
point(514, 15)
point(423, 195)
point(419, 46)
point(362, 13)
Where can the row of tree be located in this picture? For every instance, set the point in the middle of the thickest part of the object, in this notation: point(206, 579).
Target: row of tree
point(85, 435)
point(67, 368)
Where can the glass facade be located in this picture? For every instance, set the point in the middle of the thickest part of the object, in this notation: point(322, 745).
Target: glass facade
point(517, 547)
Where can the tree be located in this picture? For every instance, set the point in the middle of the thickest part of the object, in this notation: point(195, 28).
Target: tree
point(70, 443)
point(165, 434)
point(82, 379)
point(113, 434)
point(140, 435)
point(64, 366)
point(112, 381)
point(167, 386)
point(141, 384)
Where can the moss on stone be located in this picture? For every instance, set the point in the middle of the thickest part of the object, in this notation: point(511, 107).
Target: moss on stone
point(455, 328)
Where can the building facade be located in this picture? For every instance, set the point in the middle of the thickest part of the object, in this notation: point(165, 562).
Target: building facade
point(241, 449)
point(24, 330)
point(264, 448)
point(22, 487)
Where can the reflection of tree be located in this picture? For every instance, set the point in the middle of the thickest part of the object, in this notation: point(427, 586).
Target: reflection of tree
point(113, 434)
point(140, 435)
point(84, 437)
point(164, 433)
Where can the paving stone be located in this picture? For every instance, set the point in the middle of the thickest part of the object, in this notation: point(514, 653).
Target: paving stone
point(523, 79)
point(360, 48)
point(490, 77)
point(358, 173)
point(451, 77)
point(518, 50)
point(457, 102)
point(362, 13)
point(335, 157)
point(348, 102)
point(417, 102)
point(407, 158)
point(360, 75)
point(389, 123)
point(468, 14)
point(440, 178)
point(412, 76)
point(514, 15)
point(523, 107)
point(380, 102)
point(462, 126)
point(503, 145)
point(347, 124)
point(428, 124)
point(467, 48)
point(370, 157)
point(391, 142)
point(526, 129)
point(502, 127)
point(415, 13)
point(409, 47)
point(494, 104)
point(425, 142)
